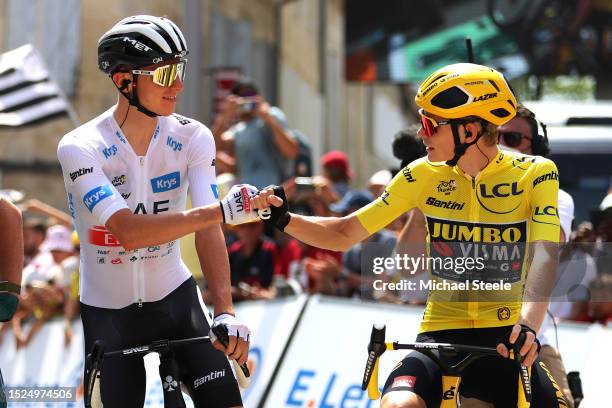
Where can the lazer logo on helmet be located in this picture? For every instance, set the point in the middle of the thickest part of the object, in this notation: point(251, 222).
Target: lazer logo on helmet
point(166, 182)
point(109, 151)
point(93, 197)
point(173, 144)
point(501, 190)
point(485, 97)
point(137, 44)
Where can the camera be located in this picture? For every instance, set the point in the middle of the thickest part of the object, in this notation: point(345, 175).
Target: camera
point(304, 184)
point(248, 106)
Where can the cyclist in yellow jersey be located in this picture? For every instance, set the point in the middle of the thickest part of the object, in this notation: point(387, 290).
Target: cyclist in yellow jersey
point(475, 195)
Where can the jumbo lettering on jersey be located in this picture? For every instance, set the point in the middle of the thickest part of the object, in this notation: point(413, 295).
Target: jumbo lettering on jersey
point(500, 247)
point(166, 182)
point(93, 197)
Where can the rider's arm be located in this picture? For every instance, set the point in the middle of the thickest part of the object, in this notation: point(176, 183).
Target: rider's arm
point(11, 244)
point(543, 242)
point(541, 278)
point(141, 230)
point(339, 234)
point(209, 242)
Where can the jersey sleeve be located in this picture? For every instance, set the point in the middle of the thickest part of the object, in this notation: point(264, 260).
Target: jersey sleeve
point(87, 184)
point(544, 203)
point(399, 196)
point(201, 168)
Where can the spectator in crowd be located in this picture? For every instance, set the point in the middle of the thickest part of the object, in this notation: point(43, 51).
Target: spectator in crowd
point(255, 136)
point(34, 232)
point(253, 262)
point(603, 226)
point(334, 183)
point(43, 280)
point(408, 147)
point(11, 262)
point(378, 182)
point(70, 284)
point(600, 306)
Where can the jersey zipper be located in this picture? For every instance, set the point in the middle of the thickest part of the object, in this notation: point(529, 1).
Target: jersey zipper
point(142, 197)
point(471, 305)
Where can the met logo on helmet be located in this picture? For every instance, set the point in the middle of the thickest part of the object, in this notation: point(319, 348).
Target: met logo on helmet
point(93, 197)
point(166, 182)
point(137, 44)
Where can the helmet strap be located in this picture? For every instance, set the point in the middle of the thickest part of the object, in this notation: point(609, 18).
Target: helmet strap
point(133, 98)
point(460, 148)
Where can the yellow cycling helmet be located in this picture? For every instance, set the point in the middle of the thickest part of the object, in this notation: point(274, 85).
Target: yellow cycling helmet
point(460, 90)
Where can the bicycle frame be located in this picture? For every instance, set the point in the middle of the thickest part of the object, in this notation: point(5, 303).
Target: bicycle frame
point(451, 377)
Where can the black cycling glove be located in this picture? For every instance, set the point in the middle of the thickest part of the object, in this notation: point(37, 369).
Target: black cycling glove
point(518, 344)
point(279, 217)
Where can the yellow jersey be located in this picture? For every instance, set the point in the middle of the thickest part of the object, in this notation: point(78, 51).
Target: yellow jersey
point(490, 218)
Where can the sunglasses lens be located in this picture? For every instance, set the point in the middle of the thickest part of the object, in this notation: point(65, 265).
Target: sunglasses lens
point(166, 75)
point(428, 126)
point(512, 139)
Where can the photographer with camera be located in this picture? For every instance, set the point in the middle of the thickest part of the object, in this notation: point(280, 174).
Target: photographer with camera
point(253, 137)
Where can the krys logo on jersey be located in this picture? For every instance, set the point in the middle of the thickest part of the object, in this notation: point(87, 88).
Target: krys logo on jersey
point(500, 246)
point(312, 388)
point(166, 182)
point(94, 196)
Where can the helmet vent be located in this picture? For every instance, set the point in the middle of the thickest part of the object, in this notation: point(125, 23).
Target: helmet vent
point(450, 98)
point(500, 112)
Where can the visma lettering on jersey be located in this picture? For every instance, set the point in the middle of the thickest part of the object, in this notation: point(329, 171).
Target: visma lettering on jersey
point(166, 182)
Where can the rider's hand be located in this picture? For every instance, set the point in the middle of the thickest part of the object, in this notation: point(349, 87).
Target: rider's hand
point(523, 338)
point(238, 341)
point(271, 204)
point(236, 205)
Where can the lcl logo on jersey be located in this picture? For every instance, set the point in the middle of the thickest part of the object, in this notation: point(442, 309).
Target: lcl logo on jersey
point(501, 190)
point(166, 182)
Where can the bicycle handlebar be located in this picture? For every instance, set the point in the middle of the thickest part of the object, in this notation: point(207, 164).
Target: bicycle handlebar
point(98, 354)
point(377, 338)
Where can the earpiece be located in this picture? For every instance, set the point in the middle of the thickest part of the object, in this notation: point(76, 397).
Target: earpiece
point(124, 84)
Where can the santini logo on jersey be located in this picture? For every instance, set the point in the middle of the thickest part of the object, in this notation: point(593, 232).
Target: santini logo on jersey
point(166, 182)
point(553, 175)
point(93, 197)
point(451, 205)
point(173, 144)
point(76, 174)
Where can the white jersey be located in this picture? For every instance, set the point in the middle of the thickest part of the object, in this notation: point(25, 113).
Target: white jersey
point(103, 175)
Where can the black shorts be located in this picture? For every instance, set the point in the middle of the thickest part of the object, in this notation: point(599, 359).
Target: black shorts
point(491, 379)
point(204, 370)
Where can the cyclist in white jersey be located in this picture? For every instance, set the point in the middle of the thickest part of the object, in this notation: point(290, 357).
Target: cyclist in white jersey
point(127, 173)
